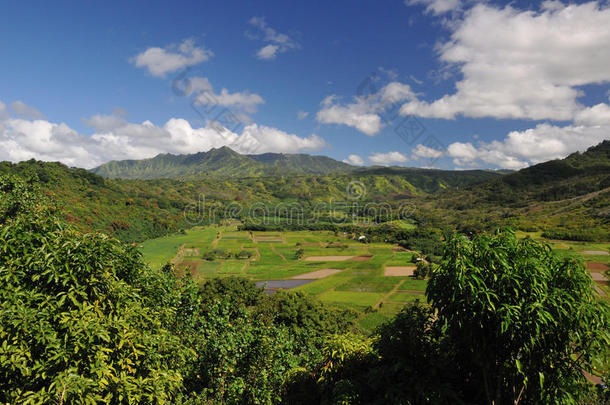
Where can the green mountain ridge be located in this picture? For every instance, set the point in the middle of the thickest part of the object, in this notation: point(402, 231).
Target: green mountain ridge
point(221, 162)
point(562, 194)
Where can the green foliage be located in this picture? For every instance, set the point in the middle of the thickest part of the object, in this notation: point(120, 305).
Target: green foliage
point(239, 360)
point(237, 290)
point(524, 323)
point(423, 269)
point(72, 325)
point(222, 162)
point(415, 356)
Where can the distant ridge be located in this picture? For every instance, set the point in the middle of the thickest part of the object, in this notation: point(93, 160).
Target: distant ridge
point(221, 162)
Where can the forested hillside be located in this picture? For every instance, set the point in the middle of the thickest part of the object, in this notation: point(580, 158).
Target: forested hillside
point(222, 162)
point(84, 320)
point(134, 210)
point(566, 199)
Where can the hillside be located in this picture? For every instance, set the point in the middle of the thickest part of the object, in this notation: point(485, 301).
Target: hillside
point(135, 210)
point(567, 197)
point(222, 162)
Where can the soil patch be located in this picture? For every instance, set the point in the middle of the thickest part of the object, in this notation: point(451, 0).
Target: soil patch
point(328, 258)
point(191, 252)
point(594, 266)
point(315, 275)
point(399, 271)
point(187, 266)
point(595, 252)
point(598, 277)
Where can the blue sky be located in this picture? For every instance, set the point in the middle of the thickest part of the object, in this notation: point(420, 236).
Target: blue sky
point(429, 83)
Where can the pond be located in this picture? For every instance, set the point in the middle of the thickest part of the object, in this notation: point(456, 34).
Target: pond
point(273, 285)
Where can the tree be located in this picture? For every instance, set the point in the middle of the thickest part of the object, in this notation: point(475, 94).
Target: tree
point(423, 269)
point(73, 326)
point(523, 323)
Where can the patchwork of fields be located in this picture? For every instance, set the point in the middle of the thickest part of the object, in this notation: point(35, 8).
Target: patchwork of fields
point(373, 279)
point(337, 270)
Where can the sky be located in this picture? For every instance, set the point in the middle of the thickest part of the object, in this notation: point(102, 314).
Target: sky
point(451, 84)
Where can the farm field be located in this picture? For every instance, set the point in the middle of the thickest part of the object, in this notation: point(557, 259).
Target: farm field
point(373, 279)
point(337, 270)
point(595, 255)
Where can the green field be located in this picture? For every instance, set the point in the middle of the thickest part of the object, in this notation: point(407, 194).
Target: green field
point(359, 285)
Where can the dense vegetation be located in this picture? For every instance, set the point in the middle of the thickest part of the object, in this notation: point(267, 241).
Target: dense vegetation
point(83, 320)
point(222, 162)
point(135, 210)
point(567, 199)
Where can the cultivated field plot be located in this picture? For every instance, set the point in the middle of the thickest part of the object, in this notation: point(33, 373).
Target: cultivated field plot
point(328, 258)
point(374, 279)
point(399, 271)
point(316, 275)
point(596, 256)
point(338, 270)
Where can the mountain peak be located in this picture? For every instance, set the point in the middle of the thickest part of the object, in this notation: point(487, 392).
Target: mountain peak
point(221, 162)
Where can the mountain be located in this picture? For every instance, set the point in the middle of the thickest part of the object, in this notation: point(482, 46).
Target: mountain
point(221, 162)
point(302, 163)
point(567, 198)
point(575, 175)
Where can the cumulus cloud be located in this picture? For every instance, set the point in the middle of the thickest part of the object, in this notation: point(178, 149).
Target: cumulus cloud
point(389, 158)
point(535, 145)
point(104, 122)
point(23, 110)
point(276, 42)
point(437, 7)
point(4, 114)
point(523, 64)
point(267, 52)
point(422, 151)
point(356, 115)
point(116, 139)
point(302, 114)
point(597, 115)
point(204, 94)
point(160, 61)
point(364, 112)
point(354, 160)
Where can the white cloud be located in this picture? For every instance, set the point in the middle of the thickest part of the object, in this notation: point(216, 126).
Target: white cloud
point(437, 7)
point(160, 61)
point(597, 115)
point(23, 110)
point(422, 151)
point(260, 139)
point(104, 123)
point(355, 115)
point(388, 158)
point(364, 113)
point(4, 114)
point(117, 139)
point(267, 52)
point(302, 114)
point(354, 160)
point(276, 42)
point(246, 101)
point(205, 95)
point(535, 145)
point(523, 64)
